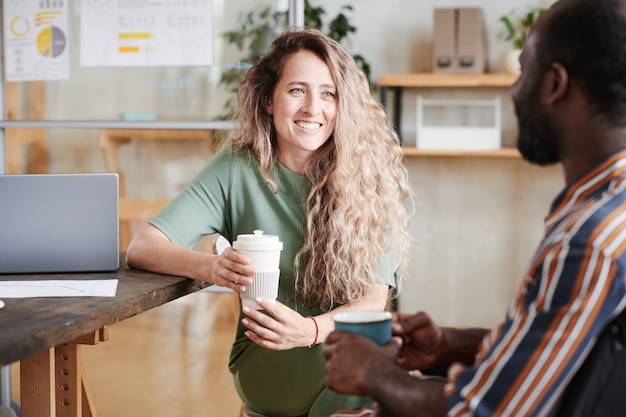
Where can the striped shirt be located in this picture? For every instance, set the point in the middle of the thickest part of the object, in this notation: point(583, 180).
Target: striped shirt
point(573, 287)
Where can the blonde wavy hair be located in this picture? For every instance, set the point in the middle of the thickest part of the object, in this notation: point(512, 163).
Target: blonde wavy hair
point(356, 211)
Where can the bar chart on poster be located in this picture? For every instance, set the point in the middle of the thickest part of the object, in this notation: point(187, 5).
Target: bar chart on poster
point(143, 33)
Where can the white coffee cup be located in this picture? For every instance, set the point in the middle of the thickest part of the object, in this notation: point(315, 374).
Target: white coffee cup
point(264, 252)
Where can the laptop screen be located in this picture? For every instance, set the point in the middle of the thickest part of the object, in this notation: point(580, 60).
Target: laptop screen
point(53, 223)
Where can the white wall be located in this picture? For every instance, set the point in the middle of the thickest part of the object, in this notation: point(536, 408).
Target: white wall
point(476, 225)
point(478, 219)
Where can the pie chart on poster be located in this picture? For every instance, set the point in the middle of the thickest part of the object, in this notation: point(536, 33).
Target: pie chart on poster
point(51, 42)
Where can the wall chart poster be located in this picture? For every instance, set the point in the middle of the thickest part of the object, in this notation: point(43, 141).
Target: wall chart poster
point(36, 40)
point(146, 32)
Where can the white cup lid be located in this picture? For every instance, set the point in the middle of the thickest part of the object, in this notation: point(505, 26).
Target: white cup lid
point(257, 242)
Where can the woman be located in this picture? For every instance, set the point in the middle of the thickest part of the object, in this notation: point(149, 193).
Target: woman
point(314, 163)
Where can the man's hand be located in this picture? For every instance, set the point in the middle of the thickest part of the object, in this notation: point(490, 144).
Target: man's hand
point(421, 337)
point(353, 361)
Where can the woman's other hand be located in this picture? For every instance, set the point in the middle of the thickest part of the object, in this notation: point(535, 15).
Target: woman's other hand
point(281, 328)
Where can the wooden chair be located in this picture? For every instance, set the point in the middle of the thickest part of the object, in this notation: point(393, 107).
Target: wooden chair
point(137, 209)
point(26, 150)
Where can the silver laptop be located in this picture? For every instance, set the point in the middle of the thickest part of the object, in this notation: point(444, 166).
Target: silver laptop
point(52, 223)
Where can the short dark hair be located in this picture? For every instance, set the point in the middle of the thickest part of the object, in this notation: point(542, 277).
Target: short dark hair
point(588, 37)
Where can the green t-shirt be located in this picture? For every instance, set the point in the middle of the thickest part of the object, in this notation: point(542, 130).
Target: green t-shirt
point(230, 197)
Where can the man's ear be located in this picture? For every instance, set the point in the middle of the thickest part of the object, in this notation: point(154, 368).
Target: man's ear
point(556, 83)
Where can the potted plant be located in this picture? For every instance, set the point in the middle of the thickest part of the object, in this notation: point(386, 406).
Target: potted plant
point(516, 28)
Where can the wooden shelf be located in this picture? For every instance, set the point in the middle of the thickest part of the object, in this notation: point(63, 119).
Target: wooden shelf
point(498, 153)
point(447, 80)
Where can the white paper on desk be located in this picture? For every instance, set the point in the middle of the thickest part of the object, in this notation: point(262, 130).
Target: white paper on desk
point(58, 288)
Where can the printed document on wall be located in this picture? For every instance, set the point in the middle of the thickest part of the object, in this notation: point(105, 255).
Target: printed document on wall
point(146, 32)
point(36, 40)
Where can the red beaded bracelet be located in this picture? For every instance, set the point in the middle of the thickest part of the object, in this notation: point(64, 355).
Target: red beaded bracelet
point(317, 331)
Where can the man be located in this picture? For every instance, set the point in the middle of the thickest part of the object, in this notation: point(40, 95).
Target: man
point(570, 102)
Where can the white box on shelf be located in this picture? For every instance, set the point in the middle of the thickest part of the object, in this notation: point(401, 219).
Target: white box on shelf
point(474, 138)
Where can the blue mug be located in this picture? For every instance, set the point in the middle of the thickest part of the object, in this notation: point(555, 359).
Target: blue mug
point(375, 325)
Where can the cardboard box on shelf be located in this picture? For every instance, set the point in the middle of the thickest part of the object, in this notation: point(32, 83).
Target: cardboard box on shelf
point(444, 47)
point(459, 45)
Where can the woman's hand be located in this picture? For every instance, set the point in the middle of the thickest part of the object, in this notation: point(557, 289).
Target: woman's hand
point(281, 329)
point(233, 270)
point(151, 250)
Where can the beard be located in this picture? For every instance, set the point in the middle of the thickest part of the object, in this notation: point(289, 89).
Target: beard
point(537, 140)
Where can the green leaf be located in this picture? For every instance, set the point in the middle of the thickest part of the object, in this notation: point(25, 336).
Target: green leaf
point(340, 27)
point(510, 29)
point(516, 27)
point(313, 15)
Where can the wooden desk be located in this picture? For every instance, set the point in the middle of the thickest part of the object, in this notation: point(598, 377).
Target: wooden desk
point(45, 334)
